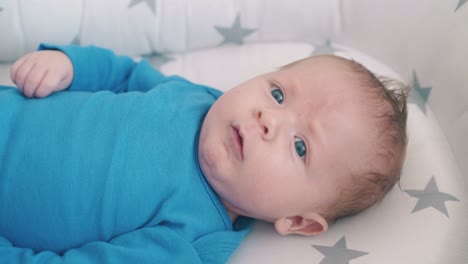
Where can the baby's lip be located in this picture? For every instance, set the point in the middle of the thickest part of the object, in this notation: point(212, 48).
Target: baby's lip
point(238, 142)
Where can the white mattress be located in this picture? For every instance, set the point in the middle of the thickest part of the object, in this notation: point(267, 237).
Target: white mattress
point(403, 228)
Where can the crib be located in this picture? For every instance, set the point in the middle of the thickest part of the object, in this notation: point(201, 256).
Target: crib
point(222, 42)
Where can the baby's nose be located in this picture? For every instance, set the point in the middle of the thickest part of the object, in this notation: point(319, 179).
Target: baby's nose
point(268, 121)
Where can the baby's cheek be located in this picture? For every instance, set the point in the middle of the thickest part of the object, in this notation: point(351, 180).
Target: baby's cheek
point(265, 180)
point(211, 151)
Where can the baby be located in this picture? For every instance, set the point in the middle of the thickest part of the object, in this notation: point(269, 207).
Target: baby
point(126, 165)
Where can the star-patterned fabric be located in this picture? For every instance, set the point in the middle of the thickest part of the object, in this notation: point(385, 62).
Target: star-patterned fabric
point(326, 48)
point(158, 59)
point(234, 34)
point(150, 3)
point(76, 40)
point(460, 4)
point(431, 197)
point(338, 253)
point(423, 92)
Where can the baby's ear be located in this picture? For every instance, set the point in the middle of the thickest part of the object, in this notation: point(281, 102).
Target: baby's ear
point(308, 224)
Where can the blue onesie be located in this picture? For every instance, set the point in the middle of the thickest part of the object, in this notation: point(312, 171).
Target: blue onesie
point(107, 171)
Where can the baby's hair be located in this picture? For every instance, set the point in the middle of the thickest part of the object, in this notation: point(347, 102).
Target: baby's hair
point(388, 99)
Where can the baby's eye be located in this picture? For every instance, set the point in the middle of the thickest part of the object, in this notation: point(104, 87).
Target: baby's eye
point(277, 94)
point(301, 148)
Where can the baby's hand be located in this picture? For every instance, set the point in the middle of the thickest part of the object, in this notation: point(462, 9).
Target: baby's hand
point(40, 73)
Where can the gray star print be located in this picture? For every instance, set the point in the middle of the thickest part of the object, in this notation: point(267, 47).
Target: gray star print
point(338, 253)
point(234, 34)
point(324, 49)
point(157, 59)
point(431, 197)
point(76, 40)
point(151, 4)
point(462, 2)
point(424, 92)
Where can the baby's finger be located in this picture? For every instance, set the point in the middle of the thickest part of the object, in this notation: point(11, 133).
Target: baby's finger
point(46, 86)
point(15, 67)
point(33, 79)
point(23, 73)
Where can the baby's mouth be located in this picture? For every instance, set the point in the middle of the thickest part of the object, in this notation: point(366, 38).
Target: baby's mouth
point(238, 142)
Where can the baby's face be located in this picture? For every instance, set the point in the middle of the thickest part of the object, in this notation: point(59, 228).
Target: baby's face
point(283, 144)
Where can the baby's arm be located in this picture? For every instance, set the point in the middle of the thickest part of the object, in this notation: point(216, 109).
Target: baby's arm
point(40, 73)
point(54, 68)
point(157, 244)
point(97, 69)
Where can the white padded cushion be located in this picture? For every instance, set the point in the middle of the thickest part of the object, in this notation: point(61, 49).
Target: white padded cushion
point(226, 66)
point(168, 26)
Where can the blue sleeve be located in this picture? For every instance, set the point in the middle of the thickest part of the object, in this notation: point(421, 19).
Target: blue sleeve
point(97, 69)
point(157, 244)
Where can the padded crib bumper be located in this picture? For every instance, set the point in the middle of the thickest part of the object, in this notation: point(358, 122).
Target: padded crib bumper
point(137, 27)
